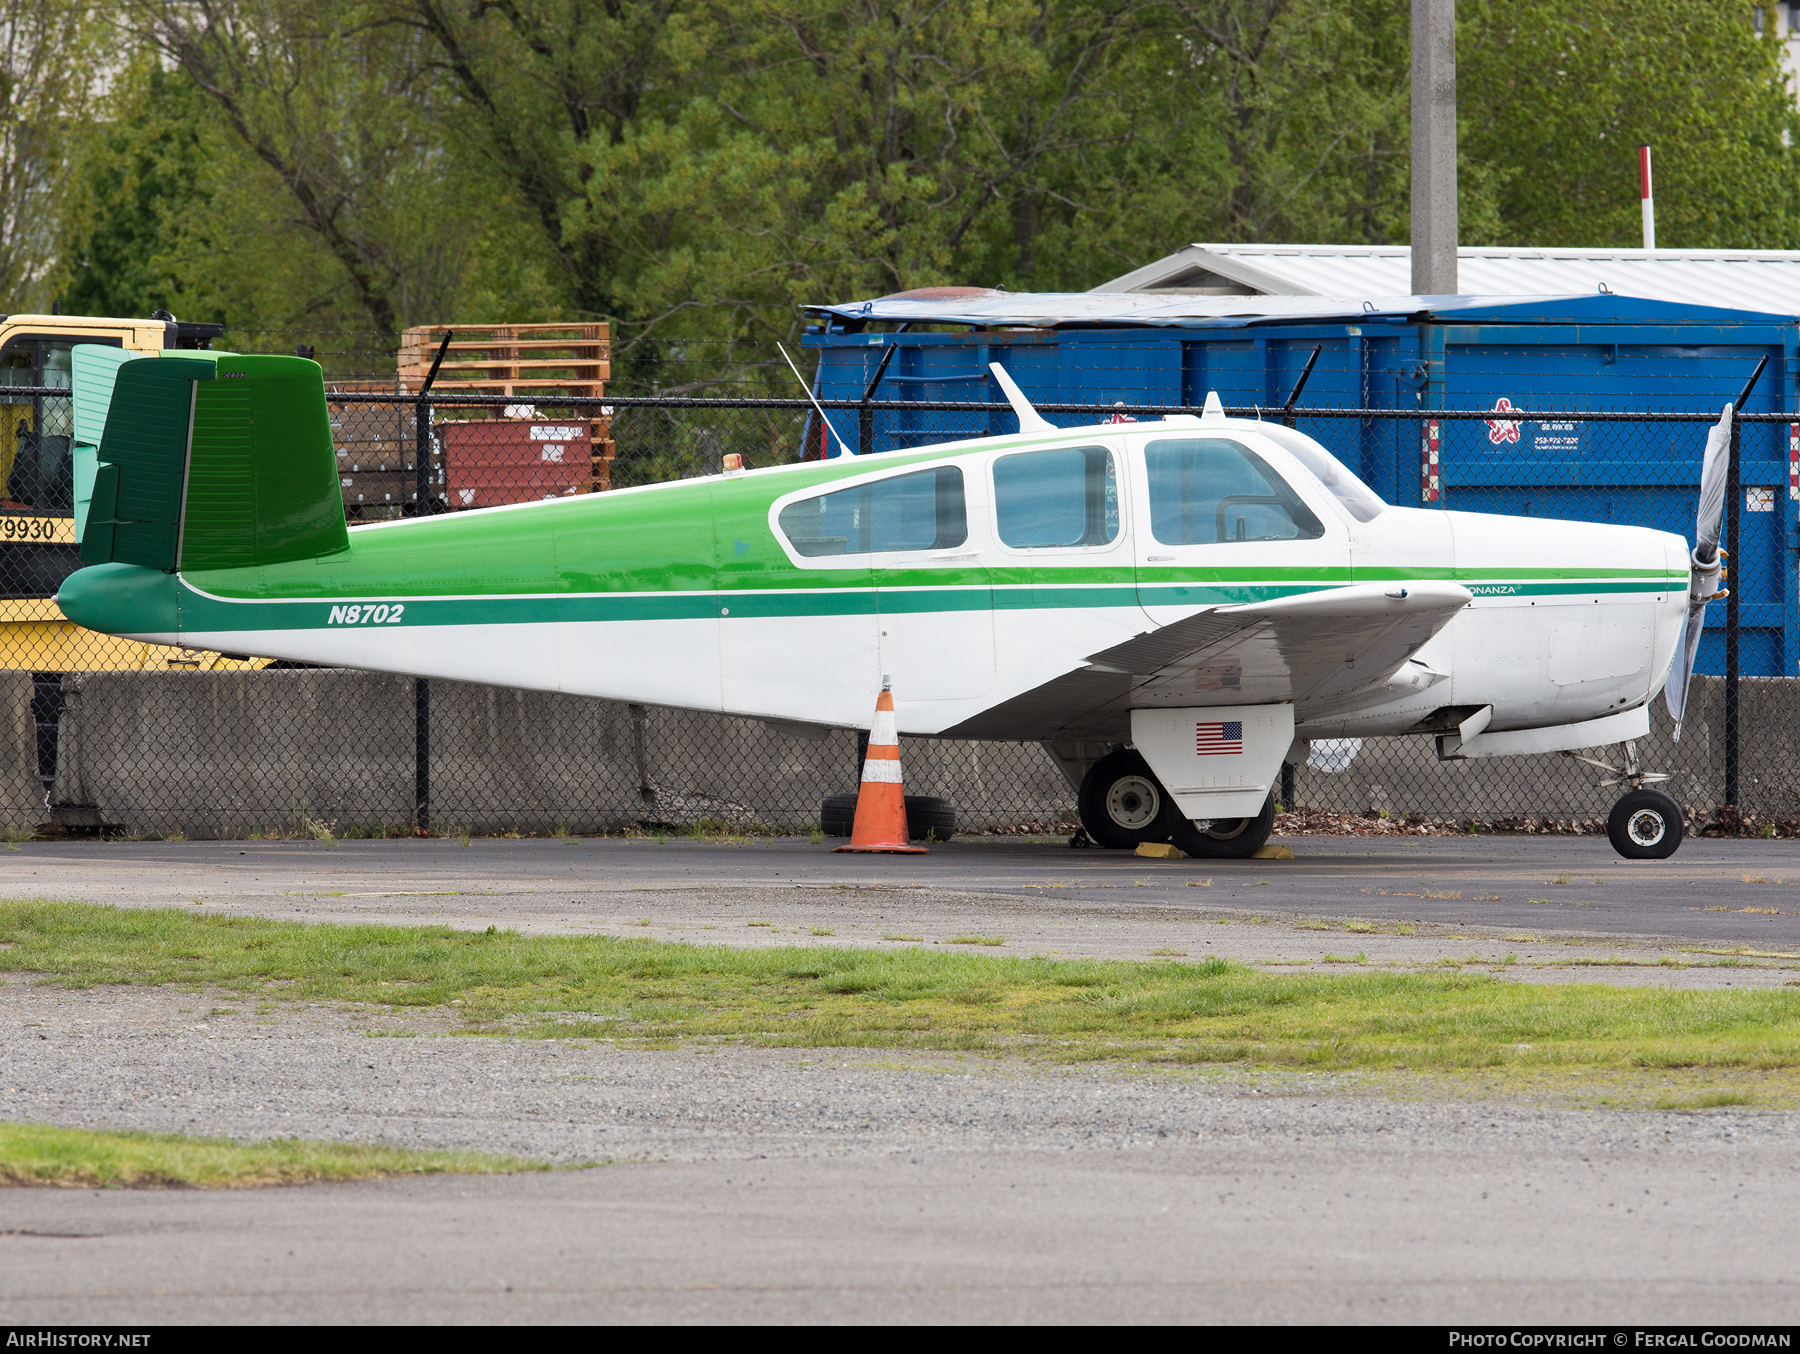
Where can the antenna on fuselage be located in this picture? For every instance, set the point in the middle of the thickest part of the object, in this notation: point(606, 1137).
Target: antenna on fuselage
point(1030, 421)
point(842, 445)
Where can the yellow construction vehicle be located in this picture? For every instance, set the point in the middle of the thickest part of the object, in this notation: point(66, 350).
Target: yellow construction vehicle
point(37, 493)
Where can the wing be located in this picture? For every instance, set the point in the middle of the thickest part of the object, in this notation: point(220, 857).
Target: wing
point(1317, 649)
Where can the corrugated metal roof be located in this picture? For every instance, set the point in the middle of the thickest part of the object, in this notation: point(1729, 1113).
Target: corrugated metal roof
point(1057, 310)
point(1766, 280)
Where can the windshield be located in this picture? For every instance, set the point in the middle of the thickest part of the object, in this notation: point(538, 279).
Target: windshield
point(1351, 494)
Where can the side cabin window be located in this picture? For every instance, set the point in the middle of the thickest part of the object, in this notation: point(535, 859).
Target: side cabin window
point(1061, 497)
point(923, 510)
point(1205, 490)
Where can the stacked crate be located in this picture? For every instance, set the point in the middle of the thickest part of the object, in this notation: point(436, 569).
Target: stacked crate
point(532, 447)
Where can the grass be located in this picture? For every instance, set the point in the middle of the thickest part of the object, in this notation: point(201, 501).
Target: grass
point(39, 1154)
point(1711, 1100)
point(634, 989)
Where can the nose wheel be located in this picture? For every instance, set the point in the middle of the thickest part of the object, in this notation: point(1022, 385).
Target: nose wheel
point(1645, 824)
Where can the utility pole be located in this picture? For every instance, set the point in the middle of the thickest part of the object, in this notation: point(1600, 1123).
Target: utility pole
point(1434, 147)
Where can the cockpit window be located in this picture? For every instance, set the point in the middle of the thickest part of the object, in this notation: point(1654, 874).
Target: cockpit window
point(920, 511)
point(1206, 490)
point(1352, 495)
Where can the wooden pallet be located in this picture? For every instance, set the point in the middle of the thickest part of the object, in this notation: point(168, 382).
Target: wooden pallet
point(537, 361)
point(531, 364)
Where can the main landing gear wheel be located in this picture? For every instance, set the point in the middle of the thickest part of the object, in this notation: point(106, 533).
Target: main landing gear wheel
point(1122, 803)
point(1223, 838)
point(1645, 825)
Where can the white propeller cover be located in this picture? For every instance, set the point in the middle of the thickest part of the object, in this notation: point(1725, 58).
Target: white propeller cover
point(1705, 566)
point(1713, 472)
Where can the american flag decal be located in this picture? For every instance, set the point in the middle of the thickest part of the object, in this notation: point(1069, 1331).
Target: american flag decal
point(1224, 739)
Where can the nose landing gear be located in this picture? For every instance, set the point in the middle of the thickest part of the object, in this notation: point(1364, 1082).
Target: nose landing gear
point(1645, 824)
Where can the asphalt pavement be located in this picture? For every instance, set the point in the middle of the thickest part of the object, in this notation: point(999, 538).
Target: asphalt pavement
point(1716, 892)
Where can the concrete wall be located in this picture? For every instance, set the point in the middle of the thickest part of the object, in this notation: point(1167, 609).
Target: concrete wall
point(229, 753)
point(21, 789)
point(208, 754)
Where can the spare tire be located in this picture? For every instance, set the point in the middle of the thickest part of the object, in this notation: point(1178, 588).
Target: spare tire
point(836, 814)
point(928, 818)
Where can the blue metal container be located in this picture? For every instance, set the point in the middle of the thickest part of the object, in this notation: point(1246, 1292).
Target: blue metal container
point(1588, 353)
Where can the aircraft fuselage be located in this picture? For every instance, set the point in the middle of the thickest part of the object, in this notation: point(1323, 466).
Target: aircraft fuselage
point(982, 587)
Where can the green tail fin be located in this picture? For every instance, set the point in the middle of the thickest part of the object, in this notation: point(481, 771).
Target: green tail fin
point(215, 461)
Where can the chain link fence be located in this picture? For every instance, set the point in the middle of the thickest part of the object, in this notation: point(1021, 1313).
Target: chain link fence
point(104, 734)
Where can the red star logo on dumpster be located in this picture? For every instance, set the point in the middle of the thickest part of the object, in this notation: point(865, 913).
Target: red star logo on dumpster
point(1503, 429)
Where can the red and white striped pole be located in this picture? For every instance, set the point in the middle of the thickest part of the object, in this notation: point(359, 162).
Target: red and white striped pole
point(1649, 198)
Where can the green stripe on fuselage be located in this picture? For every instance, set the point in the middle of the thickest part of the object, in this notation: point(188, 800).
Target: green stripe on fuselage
point(200, 613)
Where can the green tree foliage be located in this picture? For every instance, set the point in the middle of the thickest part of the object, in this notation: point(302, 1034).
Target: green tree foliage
point(699, 171)
point(49, 67)
point(1557, 97)
point(693, 170)
point(140, 179)
point(282, 166)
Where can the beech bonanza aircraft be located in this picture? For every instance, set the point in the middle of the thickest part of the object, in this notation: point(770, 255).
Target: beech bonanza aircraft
point(1173, 608)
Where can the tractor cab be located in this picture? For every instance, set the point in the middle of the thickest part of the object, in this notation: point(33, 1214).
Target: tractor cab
point(38, 474)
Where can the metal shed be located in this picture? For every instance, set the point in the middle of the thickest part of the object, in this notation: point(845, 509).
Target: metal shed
point(1595, 352)
point(1762, 280)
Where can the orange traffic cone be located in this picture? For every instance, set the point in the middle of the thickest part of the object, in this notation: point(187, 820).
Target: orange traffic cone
point(881, 799)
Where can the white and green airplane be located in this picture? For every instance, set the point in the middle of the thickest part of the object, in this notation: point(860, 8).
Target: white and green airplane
point(1172, 608)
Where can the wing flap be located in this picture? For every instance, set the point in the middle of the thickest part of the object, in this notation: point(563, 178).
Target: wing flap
point(1313, 647)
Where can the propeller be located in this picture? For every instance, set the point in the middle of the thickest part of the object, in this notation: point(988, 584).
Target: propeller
point(1706, 567)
